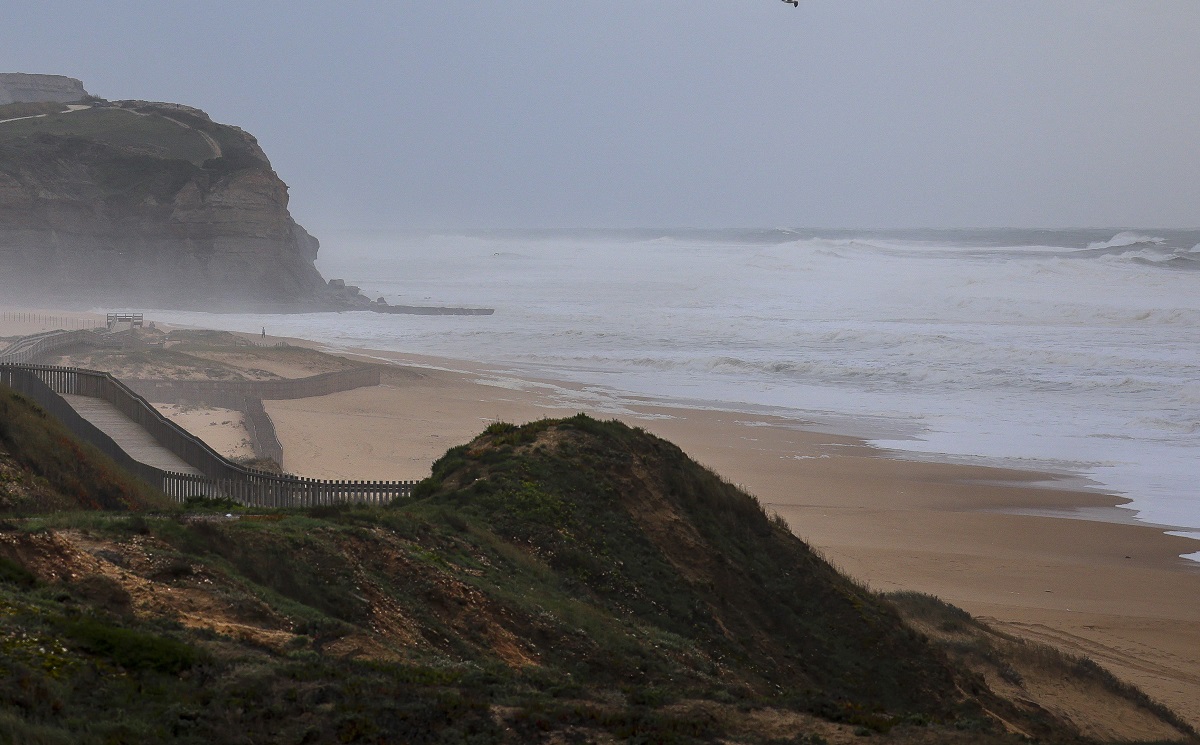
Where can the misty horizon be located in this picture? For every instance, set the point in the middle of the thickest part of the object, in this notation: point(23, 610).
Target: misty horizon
point(531, 115)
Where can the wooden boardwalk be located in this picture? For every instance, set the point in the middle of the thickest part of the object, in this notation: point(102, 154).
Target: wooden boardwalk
point(130, 435)
point(107, 413)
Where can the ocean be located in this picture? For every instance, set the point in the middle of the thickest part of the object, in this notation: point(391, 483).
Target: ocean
point(1074, 351)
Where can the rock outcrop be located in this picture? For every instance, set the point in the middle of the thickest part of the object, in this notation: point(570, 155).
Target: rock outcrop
point(20, 87)
point(140, 203)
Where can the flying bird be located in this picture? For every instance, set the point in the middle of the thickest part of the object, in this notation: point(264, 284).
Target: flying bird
point(795, 3)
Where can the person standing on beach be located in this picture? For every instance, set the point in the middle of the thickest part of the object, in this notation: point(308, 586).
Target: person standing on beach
point(264, 334)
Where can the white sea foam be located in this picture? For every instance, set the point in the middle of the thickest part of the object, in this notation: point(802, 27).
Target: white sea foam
point(1046, 350)
point(1126, 238)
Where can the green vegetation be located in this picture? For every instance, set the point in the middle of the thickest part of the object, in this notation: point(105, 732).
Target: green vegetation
point(129, 178)
point(238, 150)
point(20, 109)
point(16, 575)
point(152, 135)
point(66, 473)
point(566, 581)
point(129, 158)
point(130, 649)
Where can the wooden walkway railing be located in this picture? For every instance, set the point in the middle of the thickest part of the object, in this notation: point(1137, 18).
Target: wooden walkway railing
point(226, 392)
point(247, 396)
point(33, 387)
point(222, 477)
point(261, 429)
point(28, 348)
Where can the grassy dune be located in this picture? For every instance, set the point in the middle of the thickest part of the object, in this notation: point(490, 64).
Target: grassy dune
point(565, 581)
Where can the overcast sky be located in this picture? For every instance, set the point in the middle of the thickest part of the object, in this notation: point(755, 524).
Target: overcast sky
point(709, 113)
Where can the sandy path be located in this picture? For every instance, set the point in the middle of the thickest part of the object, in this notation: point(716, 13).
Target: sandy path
point(132, 438)
point(216, 146)
point(212, 143)
point(71, 108)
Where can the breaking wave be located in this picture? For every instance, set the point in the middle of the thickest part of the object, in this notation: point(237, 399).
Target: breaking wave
point(1128, 238)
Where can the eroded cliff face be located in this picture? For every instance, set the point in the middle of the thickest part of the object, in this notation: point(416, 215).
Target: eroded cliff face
point(137, 203)
point(24, 87)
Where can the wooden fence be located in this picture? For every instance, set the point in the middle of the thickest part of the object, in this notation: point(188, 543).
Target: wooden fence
point(29, 348)
point(266, 490)
point(48, 320)
point(227, 393)
point(221, 477)
point(247, 396)
point(261, 429)
point(33, 387)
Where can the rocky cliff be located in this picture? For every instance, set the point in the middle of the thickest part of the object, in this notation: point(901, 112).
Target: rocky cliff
point(140, 203)
point(20, 87)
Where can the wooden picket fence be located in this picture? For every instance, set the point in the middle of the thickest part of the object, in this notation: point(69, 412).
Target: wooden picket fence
point(223, 392)
point(267, 490)
point(29, 348)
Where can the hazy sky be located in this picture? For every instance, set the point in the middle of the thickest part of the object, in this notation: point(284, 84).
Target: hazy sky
point(621, 113)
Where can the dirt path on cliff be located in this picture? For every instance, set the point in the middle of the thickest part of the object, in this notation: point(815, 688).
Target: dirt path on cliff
point(216, 146)
point(208, 139)
point(71, 109)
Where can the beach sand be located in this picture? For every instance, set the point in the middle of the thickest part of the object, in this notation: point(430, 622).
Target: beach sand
point(24, 321)
point(224, 430)
point(1113, 591)
point(1118, 593)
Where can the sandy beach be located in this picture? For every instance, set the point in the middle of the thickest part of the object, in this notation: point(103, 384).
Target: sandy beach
point(1110, 590)
point(223, 429)
point(1113, 591)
